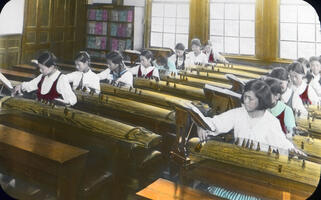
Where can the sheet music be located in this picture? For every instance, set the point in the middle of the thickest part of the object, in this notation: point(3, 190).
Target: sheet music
point(5, 81)
point(222, 90)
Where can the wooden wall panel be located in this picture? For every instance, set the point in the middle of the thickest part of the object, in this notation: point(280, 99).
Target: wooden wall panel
point(55, 25)
point(10, 50)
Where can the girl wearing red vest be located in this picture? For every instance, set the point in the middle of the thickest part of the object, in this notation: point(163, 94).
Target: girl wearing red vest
point(213, 56)
point(51, 84)
point(279, 109)
point(146, 68)
point(307, 95)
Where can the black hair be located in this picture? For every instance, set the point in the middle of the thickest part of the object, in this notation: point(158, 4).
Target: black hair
point(180, 46)
point(47, 58)
point(83, 57)
point(148, 54)
point(163, 61)
point(304, 62)
point(262, 92)
point(274, 84)
point(279, 73)
point(196, 41)
point(115, 57)
point(314, 58)
point(296, 67)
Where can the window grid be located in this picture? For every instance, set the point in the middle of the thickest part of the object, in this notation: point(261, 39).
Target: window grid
point(177, 3)
point(239, 20)
point(297, 23)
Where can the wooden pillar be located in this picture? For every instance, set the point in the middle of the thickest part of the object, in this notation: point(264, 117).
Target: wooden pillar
point(118, 2)
point(198, 20)
point(267, 30)
point(147, 23)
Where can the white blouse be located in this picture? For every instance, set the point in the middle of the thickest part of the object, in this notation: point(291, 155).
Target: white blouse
point(89, 80)
point(315, 84)
point(134, 70)
point(125, 78)
point(173, 57)
point(266, 129)
point(63, 86)
point(191, 59)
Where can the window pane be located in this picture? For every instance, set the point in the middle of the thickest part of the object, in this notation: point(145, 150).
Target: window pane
point(182, 25)
point(306, 32)
point(231, 11)
point(247, 11)
point(183, 10)
point(170, 10)
point(218, 43)
point(247, 29)
point(318, 49)
point(156, 39)
point(306, 49)
point(157, 24)
point(288, 50)
point(288, 31)
point(306, 14)
point(217, 27)
point(231, 28)
point(318, 33)
point(169, 25)
point(247, 46)
point(169, 40)
point(217, 11)
point(157, 10)
point(288, 13)
point(231, 45)
point(182, 38)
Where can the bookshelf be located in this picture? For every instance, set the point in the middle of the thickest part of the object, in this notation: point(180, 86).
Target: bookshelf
point(109, 27)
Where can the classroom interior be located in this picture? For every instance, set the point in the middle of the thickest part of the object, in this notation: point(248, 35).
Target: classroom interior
point(142, 142)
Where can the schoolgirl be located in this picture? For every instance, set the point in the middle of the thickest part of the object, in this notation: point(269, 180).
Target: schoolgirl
point(196, 57)
point(213, 56)
point(179, 57)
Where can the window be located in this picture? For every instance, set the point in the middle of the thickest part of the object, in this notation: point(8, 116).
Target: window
point(169, 23)
point(299, 30)
point(11, 17)
point(232, 26)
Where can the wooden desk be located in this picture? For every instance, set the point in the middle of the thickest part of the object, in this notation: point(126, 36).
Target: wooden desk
point(54, 165)
point(164, 189)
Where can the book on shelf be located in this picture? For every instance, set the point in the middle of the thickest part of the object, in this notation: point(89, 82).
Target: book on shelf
point(113, 29)
point(114, 15)
point(92, 14)
point(130, 16)
point(99, 14)
point(105, 15)
point(122, 16)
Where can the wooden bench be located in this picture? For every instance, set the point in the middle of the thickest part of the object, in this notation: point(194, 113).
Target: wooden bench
point(16, 75)
point(164, 189)
point(53, 165)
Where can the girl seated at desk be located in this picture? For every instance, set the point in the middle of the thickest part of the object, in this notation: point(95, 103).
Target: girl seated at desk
point(252, 121)
point(196, 57)
point(51, 84)
point(84, 78)
point(213, 56)
point(164, 65)
point(146, 68)
point(116, 72)
point(179, 57)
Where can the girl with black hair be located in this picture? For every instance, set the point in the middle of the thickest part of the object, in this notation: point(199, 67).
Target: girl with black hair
point(196, 57)
point(51, 84)
point(252, 121)
point(303, 94)
point(146, 68)
point(164, 65)
point(179, 57)
point(213, 56)
point(84, 78)
point(116, 72)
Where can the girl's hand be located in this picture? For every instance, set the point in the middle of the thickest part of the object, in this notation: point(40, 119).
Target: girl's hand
point(16, 90)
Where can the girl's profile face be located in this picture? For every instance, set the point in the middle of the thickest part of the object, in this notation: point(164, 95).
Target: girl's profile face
point(207, 49)
point(112, 66)
point(296, 78)
point(45, 70)
point(144, 61)
point(81, 66)
point(315, 67)
point(251, 102)
point(284, 85)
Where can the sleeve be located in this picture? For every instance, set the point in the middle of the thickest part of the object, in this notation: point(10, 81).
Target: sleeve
point(172, 59)
point(313, 96)
point(277, 137)
point(127, 79)
point(171, 66)
point(31, 85)
point(204, 59)
point(105, 75)
point(133, 70)
point(219, 57)
point(289, 119)
point(297, 105)
point(316, 86)
point(188, 61)
point(156, 73)
point(225, 121)
point(96, 83)
point(71, 77)
point(63, 87)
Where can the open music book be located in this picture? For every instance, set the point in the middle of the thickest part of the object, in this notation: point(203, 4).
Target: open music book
point(222, 91)
point(5, 81)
